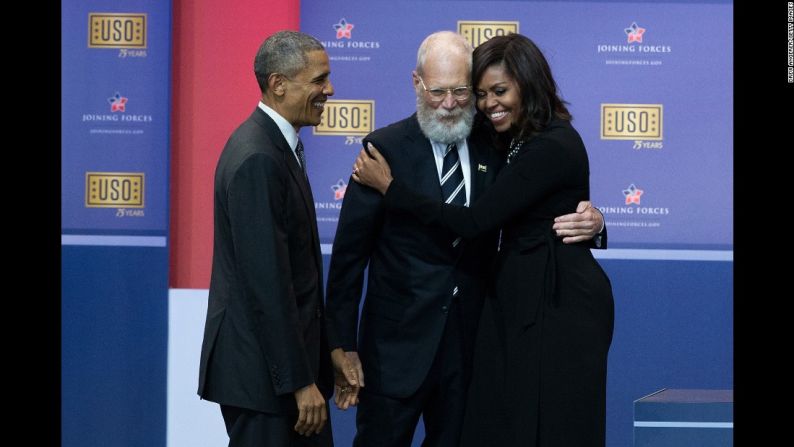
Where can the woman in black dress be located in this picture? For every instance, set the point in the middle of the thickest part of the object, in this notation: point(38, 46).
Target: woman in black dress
point(541, 356)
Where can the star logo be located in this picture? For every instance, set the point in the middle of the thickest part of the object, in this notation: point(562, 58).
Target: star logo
point(343, 29)
point(632, 194)
point(339, 189)
point(633, 32)
point(117, 102)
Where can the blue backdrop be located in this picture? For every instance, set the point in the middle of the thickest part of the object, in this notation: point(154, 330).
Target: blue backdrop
point(115, 81)
point(650, 88)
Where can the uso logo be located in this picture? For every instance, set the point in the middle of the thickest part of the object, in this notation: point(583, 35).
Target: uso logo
point(631, 121)
point(114, 189)
point(116, 30)
point(477, 32)
point(347, 117)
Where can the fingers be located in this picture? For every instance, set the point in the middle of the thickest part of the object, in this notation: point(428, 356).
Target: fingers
point(368, 156)
point(348, 374)
point(586, 228)
point(352, 368)
point(363, 163)
point(575, 239)
point(357, 166)
point(311, 419)
point(339, 397)
point(574, 217)
point(352, 374)
point(346, 396)
point(583, 205)
point(360, 374)
point(352, 398)
point(575, 230)
point(311, 410)
point(362, 160)
point(323, 419)
point(584, 212)
point(300, 425)
point(320, 418)
point(580, 226)
point(343, 395)
point(374, 152)
point(353, 361)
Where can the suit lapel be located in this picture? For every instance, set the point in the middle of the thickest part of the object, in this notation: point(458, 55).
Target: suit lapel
point(307, 194)
point(425, 171)
point(295, 172)
point(478, 166)
point(308, 200)
point(293, 167)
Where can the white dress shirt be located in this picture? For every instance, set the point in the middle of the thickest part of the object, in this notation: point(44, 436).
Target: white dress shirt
point(286, 128)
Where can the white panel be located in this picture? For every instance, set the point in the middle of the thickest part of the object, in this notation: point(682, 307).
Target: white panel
point(191, 421)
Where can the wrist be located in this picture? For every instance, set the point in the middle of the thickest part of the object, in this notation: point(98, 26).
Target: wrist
point(385, 186)
point(337, 356)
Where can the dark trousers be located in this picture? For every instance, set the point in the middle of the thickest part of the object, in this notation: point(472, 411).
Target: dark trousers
point(249, 428)
point(383, 421)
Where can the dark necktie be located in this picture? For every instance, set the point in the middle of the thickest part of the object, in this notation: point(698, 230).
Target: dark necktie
point(452, 185)
point(301, 156)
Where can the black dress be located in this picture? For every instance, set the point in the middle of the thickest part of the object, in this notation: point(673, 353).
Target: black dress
point(541, 353)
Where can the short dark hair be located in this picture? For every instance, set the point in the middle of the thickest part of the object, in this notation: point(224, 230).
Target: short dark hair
point(524, 62)
point(284, 52)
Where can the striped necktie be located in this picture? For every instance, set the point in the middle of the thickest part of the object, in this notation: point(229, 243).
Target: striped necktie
point(301, 156)
point(452, 185)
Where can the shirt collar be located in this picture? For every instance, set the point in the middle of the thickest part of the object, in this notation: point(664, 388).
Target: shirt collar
point(286, 128)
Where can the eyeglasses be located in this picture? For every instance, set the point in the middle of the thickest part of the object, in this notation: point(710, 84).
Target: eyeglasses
point(461, 93)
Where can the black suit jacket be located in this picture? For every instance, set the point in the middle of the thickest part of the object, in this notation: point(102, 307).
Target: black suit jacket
point(263, 337)
point(413, 269)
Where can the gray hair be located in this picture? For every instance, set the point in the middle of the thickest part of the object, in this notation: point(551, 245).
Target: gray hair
point(449, 42)
point(285, 53)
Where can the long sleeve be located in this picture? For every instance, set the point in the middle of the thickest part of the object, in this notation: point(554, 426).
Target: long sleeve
point(544, 167)
point(356, 232)
point(259, 235)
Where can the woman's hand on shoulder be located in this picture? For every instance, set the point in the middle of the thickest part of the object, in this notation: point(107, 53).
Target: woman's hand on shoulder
point(371, 169)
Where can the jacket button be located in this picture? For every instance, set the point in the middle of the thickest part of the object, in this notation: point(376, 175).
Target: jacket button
point(444, 309)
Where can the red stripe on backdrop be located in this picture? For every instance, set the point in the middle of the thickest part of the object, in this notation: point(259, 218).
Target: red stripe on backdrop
point(214, 89)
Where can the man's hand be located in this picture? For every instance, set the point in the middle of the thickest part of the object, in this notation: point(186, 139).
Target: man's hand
point(580, 226)
point(311, 410)
point(348, 378)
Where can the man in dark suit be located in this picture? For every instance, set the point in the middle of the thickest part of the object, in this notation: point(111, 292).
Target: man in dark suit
point(426, 286)
point(265, 357)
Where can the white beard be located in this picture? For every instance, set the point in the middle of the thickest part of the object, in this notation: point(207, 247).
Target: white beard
point(442, 125)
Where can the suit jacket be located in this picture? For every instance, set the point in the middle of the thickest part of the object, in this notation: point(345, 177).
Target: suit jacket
point(414, 270)
point(263, 337)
